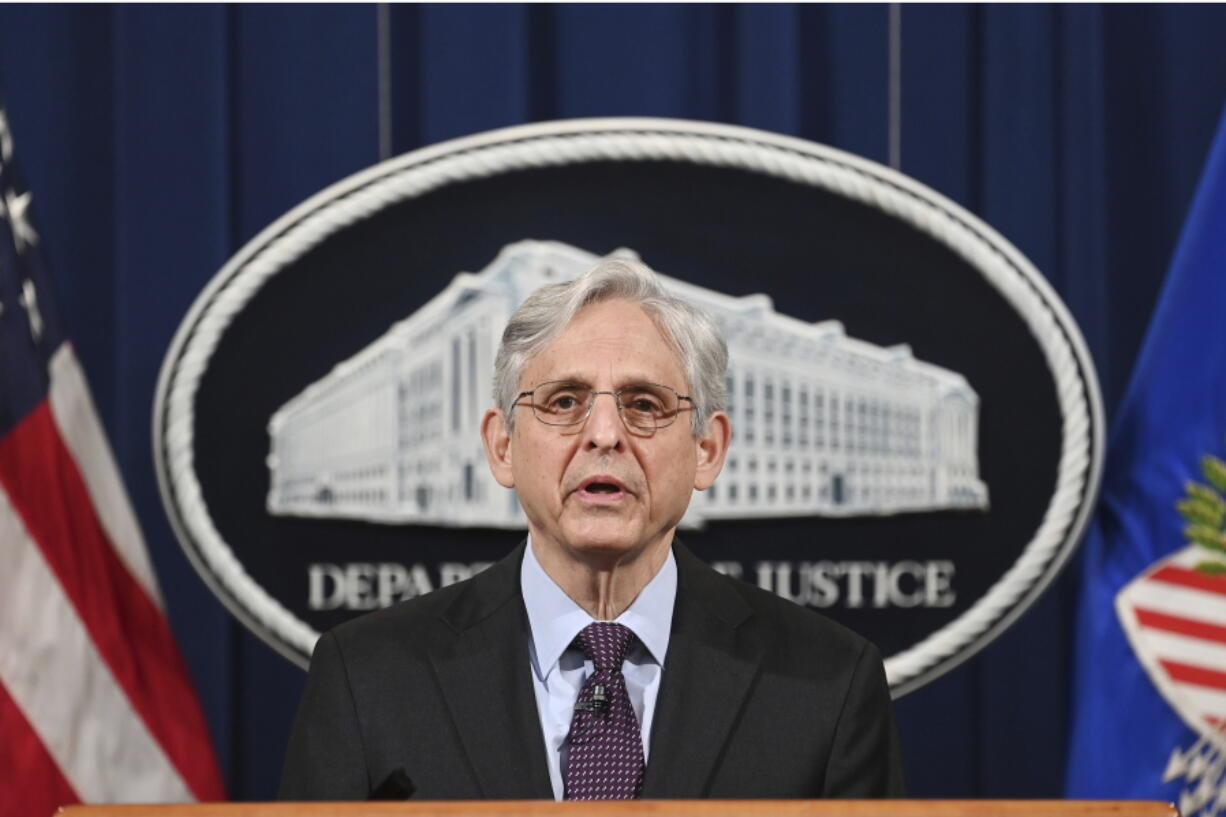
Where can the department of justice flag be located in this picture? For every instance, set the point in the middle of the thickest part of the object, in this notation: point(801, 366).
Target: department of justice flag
point(1149, 706)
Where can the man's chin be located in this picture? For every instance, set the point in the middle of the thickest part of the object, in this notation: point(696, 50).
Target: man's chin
point(606, 542)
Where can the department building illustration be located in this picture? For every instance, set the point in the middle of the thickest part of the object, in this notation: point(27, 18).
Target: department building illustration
point(823, 424)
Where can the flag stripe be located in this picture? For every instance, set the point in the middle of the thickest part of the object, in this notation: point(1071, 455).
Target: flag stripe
point(1183, 626)
point(83, 436)
point(1198, 701)
point(1186, 577)
point(1176, 600)
point(68, 695)
point(32, 782)
point(1164, 645)
point(128, 629)
point(1190, 674)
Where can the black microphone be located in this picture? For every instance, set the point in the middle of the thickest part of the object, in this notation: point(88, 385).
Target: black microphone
point(396, 786)
point(599, 701)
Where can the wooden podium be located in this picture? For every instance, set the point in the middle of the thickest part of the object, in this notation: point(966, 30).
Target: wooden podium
point(650, 808)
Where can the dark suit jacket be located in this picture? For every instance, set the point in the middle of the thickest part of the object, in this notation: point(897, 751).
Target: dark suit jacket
point(759, 698)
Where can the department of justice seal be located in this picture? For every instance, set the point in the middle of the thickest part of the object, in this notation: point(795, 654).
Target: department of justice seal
point(917, 423)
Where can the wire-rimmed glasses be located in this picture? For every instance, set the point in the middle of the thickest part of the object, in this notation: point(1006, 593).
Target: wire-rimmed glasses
point(642, 406)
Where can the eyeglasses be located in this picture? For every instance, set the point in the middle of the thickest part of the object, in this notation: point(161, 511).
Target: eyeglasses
point(643, 406)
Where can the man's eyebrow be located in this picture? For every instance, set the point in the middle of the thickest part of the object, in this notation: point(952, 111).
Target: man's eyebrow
point(620, 383)
point(571, 379)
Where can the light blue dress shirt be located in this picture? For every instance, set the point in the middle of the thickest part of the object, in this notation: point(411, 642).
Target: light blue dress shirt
point(559, 672)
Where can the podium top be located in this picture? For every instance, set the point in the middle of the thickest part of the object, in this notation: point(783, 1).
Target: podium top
point(648, 808)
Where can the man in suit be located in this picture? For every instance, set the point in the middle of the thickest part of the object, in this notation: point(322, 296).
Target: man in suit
point(600, 658)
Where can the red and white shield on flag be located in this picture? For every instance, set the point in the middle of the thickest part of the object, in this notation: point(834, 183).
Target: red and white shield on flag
point(1175, 618)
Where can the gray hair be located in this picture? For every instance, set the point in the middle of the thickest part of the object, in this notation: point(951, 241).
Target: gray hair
point(544, 314)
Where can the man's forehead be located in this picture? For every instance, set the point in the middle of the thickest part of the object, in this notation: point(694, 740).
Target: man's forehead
point(543, 369)
point(608, 341)
point(619, 379)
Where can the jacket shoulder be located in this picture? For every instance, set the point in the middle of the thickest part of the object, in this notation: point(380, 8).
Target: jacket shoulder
point(794, 636)
point(437, 616)
point(797, 621)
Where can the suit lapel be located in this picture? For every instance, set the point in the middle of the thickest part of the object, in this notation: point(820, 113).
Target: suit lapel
point(707, 676)
point(483, 672)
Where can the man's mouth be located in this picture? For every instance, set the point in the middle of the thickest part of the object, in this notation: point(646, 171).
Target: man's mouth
point(602, 487)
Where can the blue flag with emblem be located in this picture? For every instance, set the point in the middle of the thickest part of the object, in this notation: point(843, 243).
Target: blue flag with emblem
point(1149, 690)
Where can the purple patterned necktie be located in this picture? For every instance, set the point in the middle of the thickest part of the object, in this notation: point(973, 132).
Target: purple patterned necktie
point(606, 746)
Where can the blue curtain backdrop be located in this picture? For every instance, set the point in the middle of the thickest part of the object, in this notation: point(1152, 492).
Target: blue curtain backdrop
point(157, 140)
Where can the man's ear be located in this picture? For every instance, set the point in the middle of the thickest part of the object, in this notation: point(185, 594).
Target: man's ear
point(497, 439)
point(712, 447)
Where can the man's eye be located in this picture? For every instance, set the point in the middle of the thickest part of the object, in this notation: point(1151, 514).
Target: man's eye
point(563, 402)
point(645, 403)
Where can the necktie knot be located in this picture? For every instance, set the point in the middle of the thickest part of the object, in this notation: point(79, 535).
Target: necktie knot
point(605, 643)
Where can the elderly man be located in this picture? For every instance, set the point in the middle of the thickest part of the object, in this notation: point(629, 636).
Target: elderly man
point(600, 659)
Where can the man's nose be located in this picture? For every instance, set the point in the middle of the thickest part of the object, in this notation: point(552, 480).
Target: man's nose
point(604, 427)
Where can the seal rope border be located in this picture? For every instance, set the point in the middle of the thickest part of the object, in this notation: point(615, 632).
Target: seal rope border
point(571, 141)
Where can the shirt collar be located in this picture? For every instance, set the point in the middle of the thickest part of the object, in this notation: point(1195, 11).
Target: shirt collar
point(555, 619)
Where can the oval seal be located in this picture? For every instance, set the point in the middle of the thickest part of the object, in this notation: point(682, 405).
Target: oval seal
point(917, 423)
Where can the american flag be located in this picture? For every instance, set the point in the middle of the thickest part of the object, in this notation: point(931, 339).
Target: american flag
point(95, 700)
